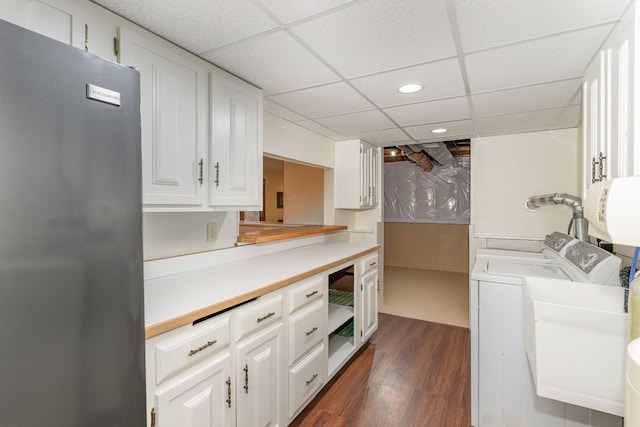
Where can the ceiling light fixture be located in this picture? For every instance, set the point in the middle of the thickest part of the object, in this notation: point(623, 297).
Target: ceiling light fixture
point(439, 130)
point(410, 88)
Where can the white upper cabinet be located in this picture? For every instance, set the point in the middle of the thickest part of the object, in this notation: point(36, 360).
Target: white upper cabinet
point(57, 19)
point(173, 112)
point(610, 98)
point(357, 167)
point(85, 26)
point(235, 168)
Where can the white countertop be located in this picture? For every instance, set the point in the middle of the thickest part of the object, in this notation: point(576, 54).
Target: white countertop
point(177, 299)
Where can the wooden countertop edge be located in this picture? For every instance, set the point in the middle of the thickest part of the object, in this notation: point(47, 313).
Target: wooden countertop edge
point(273, 235)
point(176, 322)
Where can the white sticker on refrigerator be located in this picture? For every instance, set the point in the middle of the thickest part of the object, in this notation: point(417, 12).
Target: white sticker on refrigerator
point(104, 95)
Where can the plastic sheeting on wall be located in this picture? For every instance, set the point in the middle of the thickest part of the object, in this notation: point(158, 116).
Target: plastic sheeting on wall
point(413, 195)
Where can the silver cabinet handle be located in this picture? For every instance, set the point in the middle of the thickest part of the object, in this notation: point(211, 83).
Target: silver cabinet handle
point(312, 379)
point(246, 379)
point(228, 383)
point(201, 164)
point(315, 328)
point(601, 159)
point(208, 344)
point(260, 319)
point(217, 181)
point(311, 294)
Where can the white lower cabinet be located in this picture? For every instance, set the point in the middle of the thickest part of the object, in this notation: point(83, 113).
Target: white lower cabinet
point(189, 375)
point(200, 399)
point(368, 296)
point(259, 379)
point(258, 364)
point(306, 378)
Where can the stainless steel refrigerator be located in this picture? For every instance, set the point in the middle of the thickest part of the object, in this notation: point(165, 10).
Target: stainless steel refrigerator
point(71, 281)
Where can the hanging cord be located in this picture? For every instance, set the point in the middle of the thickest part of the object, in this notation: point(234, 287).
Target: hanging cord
point(569, 229)
point(632, 273)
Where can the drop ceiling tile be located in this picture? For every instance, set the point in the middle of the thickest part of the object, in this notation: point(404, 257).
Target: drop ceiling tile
point(444, 110)
point(517, 123)
point(527, 98)
point(357, 122)
point(280, 111)
point(456, 129)
point(380, 35)
point(441, 79)
point(327, 100)
point(553, 58)
point(200, 25)
point(260, 61)
point(490, 23)
point(289, 11)
point(318, 128)
point(384, 137)
point(391, 144)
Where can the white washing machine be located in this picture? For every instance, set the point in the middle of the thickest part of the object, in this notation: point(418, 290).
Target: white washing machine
point(503, 391)
point(553, 248)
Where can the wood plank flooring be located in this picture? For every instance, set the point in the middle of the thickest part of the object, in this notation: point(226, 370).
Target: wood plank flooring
point(412, 373)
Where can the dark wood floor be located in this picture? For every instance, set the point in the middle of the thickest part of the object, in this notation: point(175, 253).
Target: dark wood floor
point(413, 373)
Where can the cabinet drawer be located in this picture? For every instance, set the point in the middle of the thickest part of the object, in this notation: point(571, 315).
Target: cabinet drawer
point(305, 330)
point(369, 262)
point(258, 315)
point(201, 341)
point(305, 379)
point(305, 292)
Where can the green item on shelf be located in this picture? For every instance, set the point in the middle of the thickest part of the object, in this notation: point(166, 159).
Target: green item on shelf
point(346, 330)
point(340, 297)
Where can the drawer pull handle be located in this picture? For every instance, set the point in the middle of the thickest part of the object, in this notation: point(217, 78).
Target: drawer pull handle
point(208, 344)
point(373, 263)
point(228, 383)
point(312, 379)
point(315, 328)
point(311, 294)
point(246, 379)
point(260, 319)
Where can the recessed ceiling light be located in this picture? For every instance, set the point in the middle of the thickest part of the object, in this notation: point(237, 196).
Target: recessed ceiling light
point(410, 88)
point(439, 130)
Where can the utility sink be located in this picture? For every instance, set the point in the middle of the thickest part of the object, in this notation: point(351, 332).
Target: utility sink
point(575, 338)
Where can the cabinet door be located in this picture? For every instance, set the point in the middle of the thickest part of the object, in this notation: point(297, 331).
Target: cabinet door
point(57, 19)
point(619, 71)
point(374, 175)
point(369, 304)
point(173, 103)
point(235, 164)
point(594, 136)
point(259, 376)
point(355, 175)
point(203, 398)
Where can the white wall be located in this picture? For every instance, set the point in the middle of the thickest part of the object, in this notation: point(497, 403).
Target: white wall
point(507, 170)
point(303, 194)
point(285, 140)
point(167, 234)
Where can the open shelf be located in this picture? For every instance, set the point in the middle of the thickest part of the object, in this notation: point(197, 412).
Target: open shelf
point(340, 350)
point(341, 317)
point(338, 315)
